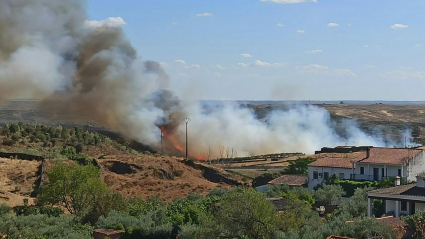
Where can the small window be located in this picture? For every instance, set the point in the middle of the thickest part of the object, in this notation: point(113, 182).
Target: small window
point(361, 170)
point(326, 175)
point(341, 176)
point(383, 173)
point(315, 175)
point(399, 172)
point(403, 205)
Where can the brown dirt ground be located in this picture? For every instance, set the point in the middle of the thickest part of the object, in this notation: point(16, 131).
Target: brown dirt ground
point(148, 175)
point(16, 180)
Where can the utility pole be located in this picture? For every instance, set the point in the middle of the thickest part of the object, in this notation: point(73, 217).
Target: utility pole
point(186, 120)
point(162, 147)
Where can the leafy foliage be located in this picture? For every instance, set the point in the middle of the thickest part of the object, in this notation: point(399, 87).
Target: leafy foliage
point(80, 190)
point(416, 223)
point(298, 166)
point(43, 226)
point(349, 186)
point(328, 193)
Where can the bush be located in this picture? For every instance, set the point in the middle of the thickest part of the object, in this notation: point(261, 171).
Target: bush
point(35, 210)
point(43, 226)
point(8, 142)
point(4, 209)
point(153, 225)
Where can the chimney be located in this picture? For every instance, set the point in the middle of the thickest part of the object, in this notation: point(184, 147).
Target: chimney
point(367, 152)
point(397, 181)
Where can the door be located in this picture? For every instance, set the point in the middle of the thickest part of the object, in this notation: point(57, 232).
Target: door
point(375, 174)
point(412, 208)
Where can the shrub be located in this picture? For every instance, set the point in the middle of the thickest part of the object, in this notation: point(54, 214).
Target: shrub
point(298, 166)
point(153, 225)
point(43, 226)
point(4, 209)
point(8, 142)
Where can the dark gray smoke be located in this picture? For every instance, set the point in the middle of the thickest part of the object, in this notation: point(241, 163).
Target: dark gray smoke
point(49, 51)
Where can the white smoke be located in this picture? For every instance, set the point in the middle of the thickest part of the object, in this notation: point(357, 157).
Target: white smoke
point(48, 52)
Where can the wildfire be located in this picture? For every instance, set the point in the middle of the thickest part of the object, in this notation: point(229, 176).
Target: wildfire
point(173, 144)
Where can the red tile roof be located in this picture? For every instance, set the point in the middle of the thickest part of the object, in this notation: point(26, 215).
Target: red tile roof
point(336, 160)
point(390, 155)
point(290, 180)
point(395, 156)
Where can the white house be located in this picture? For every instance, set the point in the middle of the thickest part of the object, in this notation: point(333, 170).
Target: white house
point(401, 199)
point(379, 163)
point(327, 165)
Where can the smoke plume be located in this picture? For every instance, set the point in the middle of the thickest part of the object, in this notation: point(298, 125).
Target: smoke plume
point(49, 51)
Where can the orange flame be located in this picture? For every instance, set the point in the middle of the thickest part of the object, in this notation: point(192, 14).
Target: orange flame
point(172, 139)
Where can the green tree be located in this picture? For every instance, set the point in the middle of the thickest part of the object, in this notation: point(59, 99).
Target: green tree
point(80, 190)
point(356, 206)
point(328, 193)
point(298, 166)
point(245, 214)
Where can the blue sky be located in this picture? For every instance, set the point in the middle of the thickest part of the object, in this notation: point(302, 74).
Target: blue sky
point(319, 50)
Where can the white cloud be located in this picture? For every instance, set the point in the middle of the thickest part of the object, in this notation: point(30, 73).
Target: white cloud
point(220, 67)
point(313, 68)
point(109, 22)
point(196, 66)
point(404, 73)
point(369, 66)
point(366, 45)
point(204, 14)
point(181, 62)
point(349, 24)
point(262, 64)
point(217, 74)
point(174, 23)
point(280, 25)
point(314, 51)
point(300, 31)
point(333, 24)
point(319, 69)
point(163, 63)
point(246, 55)
point(288, 1)
point(343, 72)
point(418, 45)
point(399, 26)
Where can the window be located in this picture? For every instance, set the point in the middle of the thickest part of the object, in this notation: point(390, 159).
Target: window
point(361, 170)
point(315, 175)
point(403, 205)
point(341, 176)
point(399, 172)
point(383, 173)
point(326, 175)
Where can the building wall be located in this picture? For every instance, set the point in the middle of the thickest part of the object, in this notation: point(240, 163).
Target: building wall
point(321, 170)
point(415, 166)
point(390, 207)
point(389, 171)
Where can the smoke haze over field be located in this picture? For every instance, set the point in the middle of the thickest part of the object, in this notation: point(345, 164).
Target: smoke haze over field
point(49, 51)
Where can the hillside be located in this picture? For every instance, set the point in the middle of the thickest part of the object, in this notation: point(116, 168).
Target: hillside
point(162, 176)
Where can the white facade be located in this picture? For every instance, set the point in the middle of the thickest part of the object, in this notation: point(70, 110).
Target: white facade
point(366, 171)
point(376, 171)
point(316, 175)
point(399, 204)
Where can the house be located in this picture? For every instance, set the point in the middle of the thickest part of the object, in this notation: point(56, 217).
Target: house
point(328, 164)
point(291, 180)
point(400, 199)
point(379, 163)
point(366, 163)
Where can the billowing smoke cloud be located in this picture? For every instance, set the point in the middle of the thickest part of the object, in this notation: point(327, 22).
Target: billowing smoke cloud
point(49, 51)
